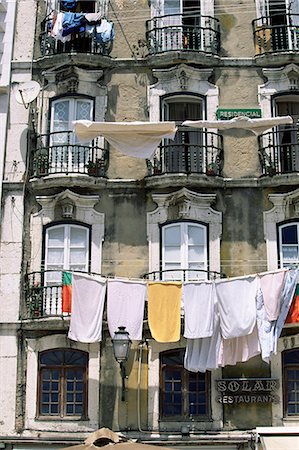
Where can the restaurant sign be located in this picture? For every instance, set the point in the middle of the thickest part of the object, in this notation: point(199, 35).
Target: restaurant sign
point(227, 114)
point(247, 390)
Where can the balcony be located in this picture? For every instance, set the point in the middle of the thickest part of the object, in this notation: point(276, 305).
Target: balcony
point(183, 275)
point(279, 151)
point(193, 152)
point(58, 153)
point(270, 38)
point(82, 42)
point(43, 297)
point(183, 32)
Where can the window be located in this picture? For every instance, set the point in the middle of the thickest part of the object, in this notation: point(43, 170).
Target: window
point(282, 17)
point(290, 361)
point(66, 248)
point(183, 394)
point(185, 152)
point(63, 383)
point(66, 153)
point(289, 244)
point(288, 105)
point(184, 246)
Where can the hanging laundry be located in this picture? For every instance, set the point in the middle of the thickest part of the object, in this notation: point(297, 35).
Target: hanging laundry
point(271, 285)
point(164, 310)
point(237, 307)
point(203, 354)
point(72, 23)
point(93, 17)
point(87, 308)
point(67, 292)
point(57, 28)
point(265, 327)
point(199, 299)
point(104, 32)
point(125, 306)
point(293, 314)
point(287, 296)
point(239, 349)
point(138, 139)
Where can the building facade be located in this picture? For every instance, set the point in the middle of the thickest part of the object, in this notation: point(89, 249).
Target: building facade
point(208, 204)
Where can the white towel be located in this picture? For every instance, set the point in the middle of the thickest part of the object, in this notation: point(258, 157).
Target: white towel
point(199, 309)
point(125, 306)
point(271, 285)
point(87, 308)
point(237, 308)
point(203, 354)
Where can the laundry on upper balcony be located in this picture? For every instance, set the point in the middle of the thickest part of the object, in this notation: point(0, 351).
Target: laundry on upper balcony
point(65, 25)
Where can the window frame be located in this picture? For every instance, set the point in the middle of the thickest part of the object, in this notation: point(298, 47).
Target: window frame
point(184, 248)
point(280, 227)
point(69, 224)
point(62, 396)
point(185, 379)
point(285, 368)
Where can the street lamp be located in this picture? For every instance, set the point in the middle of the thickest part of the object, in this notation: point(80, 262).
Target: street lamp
point(121, 347)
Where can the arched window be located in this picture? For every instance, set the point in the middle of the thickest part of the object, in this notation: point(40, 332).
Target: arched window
point(290, 364)
point(62, 386)
point(289, 244)
point(183, 394)
point(184, 246)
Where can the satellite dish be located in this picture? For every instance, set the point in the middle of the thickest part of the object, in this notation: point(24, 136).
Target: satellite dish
point(26, 92)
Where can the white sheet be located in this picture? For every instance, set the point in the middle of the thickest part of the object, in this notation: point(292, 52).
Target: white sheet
point(138, 139)
point(199, 309)
point(125, 306)
point(87, 308)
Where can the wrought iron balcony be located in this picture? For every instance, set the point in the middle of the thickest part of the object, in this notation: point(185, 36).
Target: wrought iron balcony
point(279, 150)
point(187, 32)
point(58, 152)
point(79, 43)
point(43, 297)
point(271, 37)
point(197, 152)
point(183, 275)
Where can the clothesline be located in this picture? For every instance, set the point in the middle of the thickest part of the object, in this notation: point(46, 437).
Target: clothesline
point(141, 139)
point(225, 321)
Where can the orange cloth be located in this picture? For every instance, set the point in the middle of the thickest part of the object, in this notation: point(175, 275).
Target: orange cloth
point(293, 314)
point(164, 310)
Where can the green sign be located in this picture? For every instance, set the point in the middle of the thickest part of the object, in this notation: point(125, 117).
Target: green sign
point(227, 114)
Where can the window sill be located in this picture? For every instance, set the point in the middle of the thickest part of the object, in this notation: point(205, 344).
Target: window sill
point(59, 419)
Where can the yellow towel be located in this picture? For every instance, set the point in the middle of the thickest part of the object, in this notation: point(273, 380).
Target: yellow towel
point(164, 310)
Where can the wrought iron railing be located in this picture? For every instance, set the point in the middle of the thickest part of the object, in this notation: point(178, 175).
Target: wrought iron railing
point(183, 275)
point(59, 152)
point(279, 150)
point(188, 31)
point(191, 152)
point(271, 37)
point(79, 43)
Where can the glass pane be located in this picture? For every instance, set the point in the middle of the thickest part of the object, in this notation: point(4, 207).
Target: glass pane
point(290, 253)
point(56, 237)
point(196, 253)
point(83, 110)
point(289, 234)
point(172, 253)
point(61, 116)
point(78, 237)
point(77, 257)
point(172, 7)
point(196, 235)
point(55, 256)
point(172, 235)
